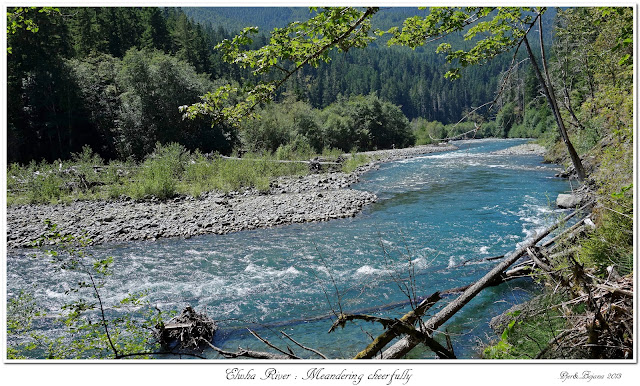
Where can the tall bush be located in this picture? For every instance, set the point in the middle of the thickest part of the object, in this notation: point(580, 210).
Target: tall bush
point(159, 174)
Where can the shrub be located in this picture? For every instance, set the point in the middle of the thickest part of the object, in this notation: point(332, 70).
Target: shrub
point(159, 174)
point(44, 183)
point(84, 163)
point(353, 162)
point(529, 329)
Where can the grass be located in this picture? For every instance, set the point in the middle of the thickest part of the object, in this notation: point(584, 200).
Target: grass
point(169, 171)
point(353, 162)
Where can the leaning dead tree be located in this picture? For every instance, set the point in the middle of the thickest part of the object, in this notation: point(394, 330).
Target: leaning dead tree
point(424, 332)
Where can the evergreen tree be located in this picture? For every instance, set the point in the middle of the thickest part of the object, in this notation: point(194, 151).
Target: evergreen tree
point(155, 34)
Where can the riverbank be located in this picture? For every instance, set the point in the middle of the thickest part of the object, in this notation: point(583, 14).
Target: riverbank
point(524, 149)
point(310, 198)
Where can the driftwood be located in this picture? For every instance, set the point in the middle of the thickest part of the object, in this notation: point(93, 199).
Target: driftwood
point(563, 233)
point(397, 327)
point(518, 272)
point(481, 259)
point(311, 161)
point(533, 255)
point(188, 330)
point(406, 344)
point(315, 164)
point(288, 355)
point(246, 353)
point(605, 330)
point(304, 347)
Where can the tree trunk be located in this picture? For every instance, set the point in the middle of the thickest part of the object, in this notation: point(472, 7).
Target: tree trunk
point(547, 89)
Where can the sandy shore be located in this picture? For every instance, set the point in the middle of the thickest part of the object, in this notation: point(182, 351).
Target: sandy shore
point(315, 197)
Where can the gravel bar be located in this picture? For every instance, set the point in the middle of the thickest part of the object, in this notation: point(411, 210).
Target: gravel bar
point(314, 197)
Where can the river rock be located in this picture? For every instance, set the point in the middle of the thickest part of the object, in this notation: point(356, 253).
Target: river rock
point(569, 201)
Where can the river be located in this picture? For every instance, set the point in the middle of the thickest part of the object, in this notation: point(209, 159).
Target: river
point(433, 213)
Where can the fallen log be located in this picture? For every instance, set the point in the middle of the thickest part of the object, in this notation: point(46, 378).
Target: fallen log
point(539, 263)
point(616, 291)
point(246, 353)
point(406, 344)
point(282, 161)
point(563, 233)
point(522, 270)
point(304, 347)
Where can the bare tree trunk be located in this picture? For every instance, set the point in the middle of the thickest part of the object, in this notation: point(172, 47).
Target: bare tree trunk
point(547, 89)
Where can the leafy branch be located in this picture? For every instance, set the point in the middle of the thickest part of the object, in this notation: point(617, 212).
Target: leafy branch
point(289, 49)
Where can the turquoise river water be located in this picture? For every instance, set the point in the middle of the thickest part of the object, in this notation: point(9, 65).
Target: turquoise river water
point(434, 212)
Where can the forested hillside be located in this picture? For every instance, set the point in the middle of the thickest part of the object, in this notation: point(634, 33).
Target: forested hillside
point(412, 79)
point(113, 78)
point(110, 78)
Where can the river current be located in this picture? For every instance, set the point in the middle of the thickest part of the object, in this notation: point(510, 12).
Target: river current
point(436, 218)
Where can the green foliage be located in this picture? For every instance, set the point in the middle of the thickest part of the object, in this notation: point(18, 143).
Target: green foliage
point(279, 125)
point(491, 130)
point(20, 18)
point(252, 171)
point(427, 132)
point(108, 110)
point(498, 30)
point(500, 350)
point(160, 172)
point(366, 123)
point(458, 130)
point(22, 311)
point(95, 78)
point(506, 118)
point(299, 148)
point(289, 49)
point(527, 333)
point(45, 185)
point(65, 88)
point(294, 127)
point(169, 171)
point(537, 121)
point(233, 175)
point(86, 163)
point(612, 241)
point(611, 244)
point(354, 161)
point(153, 86)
